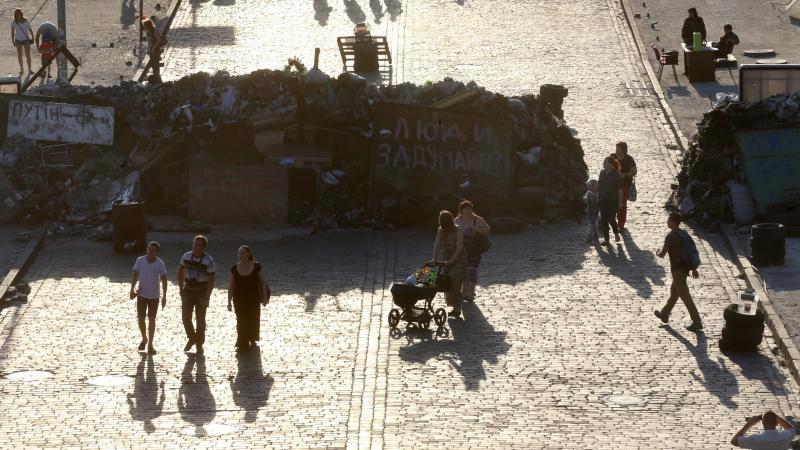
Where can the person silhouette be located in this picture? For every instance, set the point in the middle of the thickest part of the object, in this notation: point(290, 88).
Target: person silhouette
point(250, 387)
point(145, 404)
point(195, 402)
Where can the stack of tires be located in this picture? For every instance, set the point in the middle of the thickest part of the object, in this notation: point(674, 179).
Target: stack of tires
point(130, 234)
point(742, 332)
point(768, 244)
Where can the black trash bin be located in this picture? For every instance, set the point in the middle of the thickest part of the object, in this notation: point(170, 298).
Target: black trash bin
point(365, 55)
point(552, 95)
point(128, 219)
point(768, 244)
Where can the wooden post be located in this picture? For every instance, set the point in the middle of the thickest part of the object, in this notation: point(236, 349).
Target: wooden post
point(139, 16)
point(62, 29)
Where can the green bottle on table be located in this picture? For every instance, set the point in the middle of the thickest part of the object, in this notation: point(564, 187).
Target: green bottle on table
point(698, 41)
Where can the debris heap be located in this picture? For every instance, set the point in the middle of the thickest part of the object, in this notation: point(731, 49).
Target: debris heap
point(197, 114)
point(713, 161)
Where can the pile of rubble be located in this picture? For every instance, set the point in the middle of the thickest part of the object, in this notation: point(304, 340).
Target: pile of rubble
point(549, 175)
point(713, 161)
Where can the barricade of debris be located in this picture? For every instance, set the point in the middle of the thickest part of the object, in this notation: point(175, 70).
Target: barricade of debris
point(284, 118)
point(714, 176)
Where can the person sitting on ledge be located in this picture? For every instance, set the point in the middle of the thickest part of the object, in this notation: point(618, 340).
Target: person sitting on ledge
point(692, 24)
point(726, 42)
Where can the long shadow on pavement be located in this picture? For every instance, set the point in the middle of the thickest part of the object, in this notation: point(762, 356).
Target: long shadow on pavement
point(716, 377)
point(127, 16)
point(145, 403)
point(322, 12)
point(474, 341)
point(195, 401)
point(250, 387)
point(637, 268)
point(321, 267)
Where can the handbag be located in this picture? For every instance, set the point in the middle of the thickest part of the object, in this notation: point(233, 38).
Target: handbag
point(632, 191)
point(443, 281)
point(482, 244)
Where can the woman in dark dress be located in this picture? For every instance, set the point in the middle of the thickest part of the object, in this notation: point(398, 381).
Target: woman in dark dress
point(247, 291)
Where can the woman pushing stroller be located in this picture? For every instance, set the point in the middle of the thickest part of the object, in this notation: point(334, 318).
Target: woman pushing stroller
point(449, 245)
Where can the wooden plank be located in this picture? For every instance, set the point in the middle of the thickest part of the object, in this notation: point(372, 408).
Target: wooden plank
point(455, 99)
point(23, 261)
point(144, 66)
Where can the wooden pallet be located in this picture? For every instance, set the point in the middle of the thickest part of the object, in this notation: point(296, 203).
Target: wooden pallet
point(347, 50)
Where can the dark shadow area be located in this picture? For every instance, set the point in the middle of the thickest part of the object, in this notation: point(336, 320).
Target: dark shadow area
point(354, 11)
point(394, 8)
point(250, 387)
point(717, 242)
point(321, 267)
point(127, 15)
point(224, 2)
point(716, 377)
point(195, 401)
point(710, 90)
point(377, 10)
point(637, 268)
point(755, 366)
point(322, 12)
point(195, 36)
point(146, 403)
point(677, 91)
point(474, 342)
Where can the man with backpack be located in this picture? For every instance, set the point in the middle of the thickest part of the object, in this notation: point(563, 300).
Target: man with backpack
point(683, 259)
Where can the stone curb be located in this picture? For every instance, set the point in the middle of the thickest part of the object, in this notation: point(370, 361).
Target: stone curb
point(173, 9)
point(755, 282)
point(789, 350)
point(662, 100)
point(22, 262)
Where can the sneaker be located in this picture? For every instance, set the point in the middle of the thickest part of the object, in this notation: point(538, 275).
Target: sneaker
point(660, 316)
point(455, 313)
point(695, 327)
point(199, 349)
point(188, 345)
point(151, 350)
point(142, 344)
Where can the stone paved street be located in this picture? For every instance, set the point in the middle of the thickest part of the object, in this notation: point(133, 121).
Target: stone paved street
point(561, 349)
point(108, 24)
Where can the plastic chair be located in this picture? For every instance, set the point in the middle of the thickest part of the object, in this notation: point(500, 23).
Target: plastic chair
point(667, 59)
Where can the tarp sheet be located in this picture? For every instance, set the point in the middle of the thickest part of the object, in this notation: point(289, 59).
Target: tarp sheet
point(771, 160)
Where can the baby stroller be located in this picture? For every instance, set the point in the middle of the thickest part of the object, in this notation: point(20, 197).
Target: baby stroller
point(430, 279)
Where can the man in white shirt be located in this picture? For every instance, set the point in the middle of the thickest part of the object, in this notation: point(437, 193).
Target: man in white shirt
point(770, 439)
point(196, 282)
point(148, 271)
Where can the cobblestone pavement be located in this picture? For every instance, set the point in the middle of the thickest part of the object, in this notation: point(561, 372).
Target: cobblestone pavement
point(100, 22)
point(561, 350)
point(10, 246)
point(758, 24)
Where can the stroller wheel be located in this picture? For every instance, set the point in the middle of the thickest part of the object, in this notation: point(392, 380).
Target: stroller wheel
point(394, 318)
point(440, 317)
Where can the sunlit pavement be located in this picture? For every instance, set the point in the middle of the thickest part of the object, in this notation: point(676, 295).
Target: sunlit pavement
point(560, 350)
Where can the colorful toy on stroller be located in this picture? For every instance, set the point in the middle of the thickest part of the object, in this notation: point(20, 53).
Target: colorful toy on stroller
point(429, 280)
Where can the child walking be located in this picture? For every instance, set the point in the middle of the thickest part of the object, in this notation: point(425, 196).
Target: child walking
point(592, 209)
